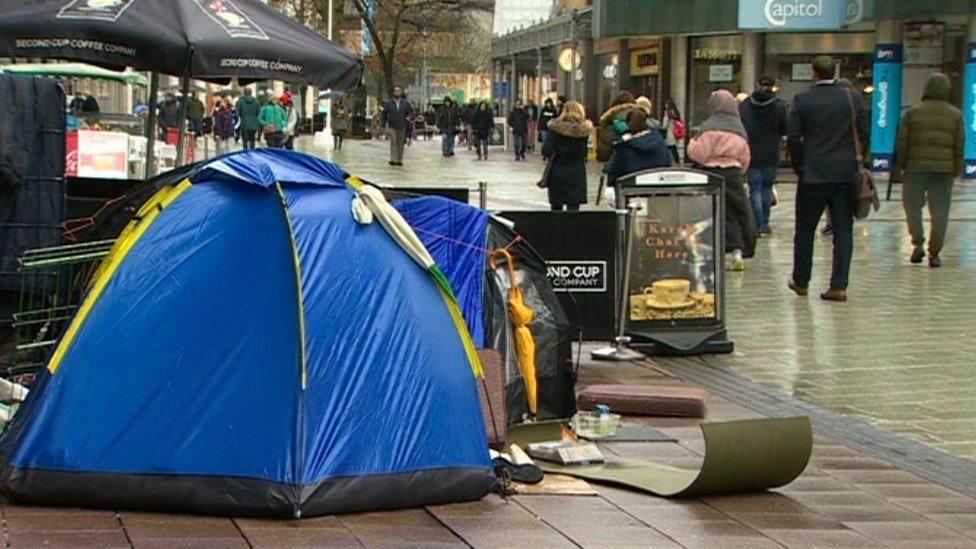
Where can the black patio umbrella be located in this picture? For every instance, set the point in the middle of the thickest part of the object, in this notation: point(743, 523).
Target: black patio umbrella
point(212, 40)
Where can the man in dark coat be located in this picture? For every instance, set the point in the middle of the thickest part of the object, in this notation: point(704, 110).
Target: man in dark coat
point(169, 115)
point(448, 121)
point(764, 117)
point(518, 121)
point(820, 138)
point(248, 109)
point(396, 114)
point(194, 114)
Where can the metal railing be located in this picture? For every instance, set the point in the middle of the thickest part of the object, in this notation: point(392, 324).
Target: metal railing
point(54, 281)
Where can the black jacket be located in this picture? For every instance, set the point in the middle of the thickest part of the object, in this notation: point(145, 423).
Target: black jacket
point(545, 116)
point(169, 114)
point(518, 119)
point(482, 122)
point(467, 113)
point(448, 119)
point(396, 117)
point(764, 116)
point(32, 183)
point(566, 146)
point(820, 138)
point(645, 151)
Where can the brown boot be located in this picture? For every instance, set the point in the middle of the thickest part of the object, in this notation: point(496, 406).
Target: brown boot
point(834, 295)
point(799, 290)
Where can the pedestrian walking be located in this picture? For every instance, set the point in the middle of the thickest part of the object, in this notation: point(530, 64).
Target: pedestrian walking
point(430, 121)
point(675, 129)
point(764, 117)
point(641, 148)
point(546, 115)
point(518, 121)
point(340, 124)
point(272, 120)
point(448, 121)
point(820, 139)
point(194, 114)
point(613, 124)
point(565, 146)
point(931, 139)
point(291, 122)
point(469, 113)
point(722, 147)
point(533, 110)
point(248, 109)
point(223, 126)
point(168, 117)
point(397, 113)
point(482, 123)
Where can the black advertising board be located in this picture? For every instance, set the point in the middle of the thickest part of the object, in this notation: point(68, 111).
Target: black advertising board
point(581, 254)
point(674, 274)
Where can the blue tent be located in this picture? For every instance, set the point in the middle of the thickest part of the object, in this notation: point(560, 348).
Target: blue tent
point(248, 348)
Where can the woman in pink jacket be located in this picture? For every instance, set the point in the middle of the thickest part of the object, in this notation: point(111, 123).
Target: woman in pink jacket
point(722, 147)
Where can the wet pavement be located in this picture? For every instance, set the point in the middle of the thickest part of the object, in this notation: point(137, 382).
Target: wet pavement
point(843, 499)
point(898, 355)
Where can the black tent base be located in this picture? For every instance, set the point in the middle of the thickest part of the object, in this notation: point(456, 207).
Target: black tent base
point(683, 342)
point(245, 497)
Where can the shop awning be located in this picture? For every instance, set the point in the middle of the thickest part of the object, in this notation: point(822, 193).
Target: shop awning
point(75, 70)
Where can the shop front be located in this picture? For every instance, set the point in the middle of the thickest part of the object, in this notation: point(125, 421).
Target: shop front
point(716, 62)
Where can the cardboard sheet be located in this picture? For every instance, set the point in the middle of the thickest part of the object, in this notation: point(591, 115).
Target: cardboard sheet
point(740, 456)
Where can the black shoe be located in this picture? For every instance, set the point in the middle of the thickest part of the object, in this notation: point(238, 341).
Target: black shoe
point(527, 473)
point(934, 261)
point(399, 163)
point(392, 163)
point(917, 255)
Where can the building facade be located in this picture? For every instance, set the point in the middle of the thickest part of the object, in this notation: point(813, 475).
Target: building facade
point(685, 49)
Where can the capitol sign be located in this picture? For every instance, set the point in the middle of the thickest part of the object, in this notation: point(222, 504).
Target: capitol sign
point(792, 14)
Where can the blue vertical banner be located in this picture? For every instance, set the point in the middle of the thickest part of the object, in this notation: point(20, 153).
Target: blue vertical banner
point(969, 111)
point(886, 111)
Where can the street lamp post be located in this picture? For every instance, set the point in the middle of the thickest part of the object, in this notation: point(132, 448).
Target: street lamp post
point(327, 130)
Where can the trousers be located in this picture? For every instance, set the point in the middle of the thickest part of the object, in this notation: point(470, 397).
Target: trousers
point(936, 190)
point(397, 139)
point(811, 199)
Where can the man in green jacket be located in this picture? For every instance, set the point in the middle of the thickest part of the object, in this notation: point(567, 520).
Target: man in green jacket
point(273, 117)
point(930, 155)
point(247, 111)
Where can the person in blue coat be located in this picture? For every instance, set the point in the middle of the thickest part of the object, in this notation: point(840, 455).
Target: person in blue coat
point(639, 149)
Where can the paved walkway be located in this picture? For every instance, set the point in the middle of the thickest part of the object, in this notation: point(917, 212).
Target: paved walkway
point(897, 355)
point(843, 499)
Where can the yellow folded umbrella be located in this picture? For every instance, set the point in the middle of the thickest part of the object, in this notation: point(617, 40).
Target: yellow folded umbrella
point(521, 316)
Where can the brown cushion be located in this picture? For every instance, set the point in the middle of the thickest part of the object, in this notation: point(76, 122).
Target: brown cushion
point(646, 400)
point(491, 390)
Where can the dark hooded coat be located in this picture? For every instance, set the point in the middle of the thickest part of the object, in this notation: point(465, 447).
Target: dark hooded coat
point(566, 145)
point(932, 135)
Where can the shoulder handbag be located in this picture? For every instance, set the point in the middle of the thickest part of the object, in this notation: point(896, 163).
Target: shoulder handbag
point(864, 195)
point(544, 182)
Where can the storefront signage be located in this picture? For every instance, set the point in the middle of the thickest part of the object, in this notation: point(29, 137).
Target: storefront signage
point(802, 72)
point(792, 14)
point(969, 111)
point(645, 61)
point(720, 73)
point(887, 105)
point(577, 276)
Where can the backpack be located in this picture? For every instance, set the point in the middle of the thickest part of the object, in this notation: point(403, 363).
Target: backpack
point(680, 130)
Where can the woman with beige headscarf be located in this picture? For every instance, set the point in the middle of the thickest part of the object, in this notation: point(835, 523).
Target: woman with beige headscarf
point(722, 147)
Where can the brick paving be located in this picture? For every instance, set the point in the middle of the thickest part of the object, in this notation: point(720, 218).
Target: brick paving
point(895, 356)
point(843, 499)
